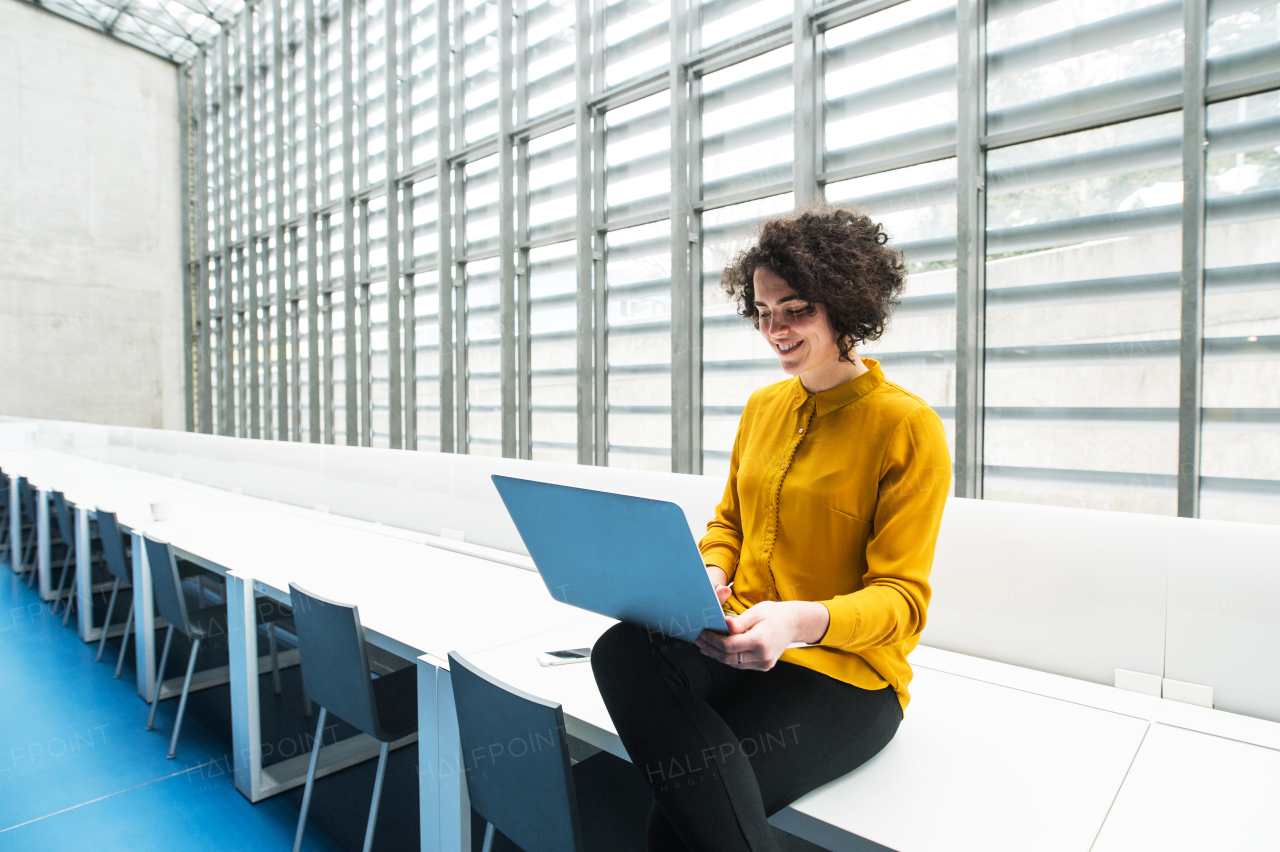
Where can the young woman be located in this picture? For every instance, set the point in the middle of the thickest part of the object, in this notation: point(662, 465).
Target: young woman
point(825, 537)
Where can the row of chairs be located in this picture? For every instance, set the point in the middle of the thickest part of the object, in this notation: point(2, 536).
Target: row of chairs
point(516, 754)
point(536, 797)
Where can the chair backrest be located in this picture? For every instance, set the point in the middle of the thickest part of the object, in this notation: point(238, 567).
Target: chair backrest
point(335, 664)
point(516, 759)
point(27, 497)
point(113, 546)
point(166, 587)
point(63, 512)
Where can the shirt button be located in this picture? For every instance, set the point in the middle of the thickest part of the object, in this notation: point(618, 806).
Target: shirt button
point(801, 430)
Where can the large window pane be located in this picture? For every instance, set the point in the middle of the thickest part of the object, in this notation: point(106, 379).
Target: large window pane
point(1084, 258)
point(553, 358)
point(420, 65)
point(736, 359)
point(638, 277)
point(746, 125)
point(549, 56)
point(550, 187)
point(637, 38)
point(725, 19)
point(637, 157)
point(1051, 63)
point(480, 69)
point(1240, 462)
point(890, 84)
point(483, 358)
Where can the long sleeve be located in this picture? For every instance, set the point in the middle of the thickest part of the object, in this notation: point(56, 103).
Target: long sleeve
point(914, 482)
point(722, 545)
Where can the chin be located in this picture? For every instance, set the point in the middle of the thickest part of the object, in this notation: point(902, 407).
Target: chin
point(790, 369)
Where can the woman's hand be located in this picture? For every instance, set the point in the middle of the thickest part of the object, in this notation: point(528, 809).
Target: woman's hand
point(760, 635)
point(719, 582)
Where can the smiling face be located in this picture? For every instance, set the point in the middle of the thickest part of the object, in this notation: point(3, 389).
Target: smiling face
point(800, 334)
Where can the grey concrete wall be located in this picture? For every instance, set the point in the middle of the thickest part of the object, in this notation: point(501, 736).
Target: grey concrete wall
point(90, 229)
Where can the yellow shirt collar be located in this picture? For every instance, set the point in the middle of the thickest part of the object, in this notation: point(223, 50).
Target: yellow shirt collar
point(842, 394)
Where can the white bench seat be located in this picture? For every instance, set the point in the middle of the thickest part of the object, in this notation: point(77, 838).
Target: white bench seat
point(990, 756)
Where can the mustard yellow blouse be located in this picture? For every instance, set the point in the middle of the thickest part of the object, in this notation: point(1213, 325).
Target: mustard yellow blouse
point(837, 497)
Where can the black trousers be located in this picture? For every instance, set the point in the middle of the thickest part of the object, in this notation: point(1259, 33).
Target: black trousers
point(724, 748)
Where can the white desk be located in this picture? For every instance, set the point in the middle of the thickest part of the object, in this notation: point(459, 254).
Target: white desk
point(1190, 790)
point(416, 601)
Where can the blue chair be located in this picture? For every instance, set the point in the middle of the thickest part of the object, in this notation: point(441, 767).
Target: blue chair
point(5, 545)
point(335, 668)
point(521, 780)
point(66, 528)
point(26, 510)
point(197, 625)
point(118, 563)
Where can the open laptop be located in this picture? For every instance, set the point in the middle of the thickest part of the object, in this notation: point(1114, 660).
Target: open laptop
point(630, 558)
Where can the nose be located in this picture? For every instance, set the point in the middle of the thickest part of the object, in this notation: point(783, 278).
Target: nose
point(774, 323)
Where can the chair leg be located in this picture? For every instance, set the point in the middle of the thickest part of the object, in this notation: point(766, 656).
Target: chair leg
point(124, 642)
point(182, 702)
point(62, 581)
point(106, 625)
point(488, 837)
point(68, 607)
point(27, 546)
point(377, 796)
point(155, 696)
point(311, 780)
point(275, 656)
point(33, 556)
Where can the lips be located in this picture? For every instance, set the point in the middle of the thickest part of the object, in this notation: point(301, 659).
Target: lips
point(785, 348)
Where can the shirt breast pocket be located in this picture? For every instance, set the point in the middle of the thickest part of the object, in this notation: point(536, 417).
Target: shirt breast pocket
point(837, 553)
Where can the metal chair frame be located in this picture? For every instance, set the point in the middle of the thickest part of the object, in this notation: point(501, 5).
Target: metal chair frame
point(364, 711)
point(170, 600)
point(67, 529)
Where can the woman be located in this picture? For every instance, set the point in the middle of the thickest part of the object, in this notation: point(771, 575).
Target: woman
point(825, 537)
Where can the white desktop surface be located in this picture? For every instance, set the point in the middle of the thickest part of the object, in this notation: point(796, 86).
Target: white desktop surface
point(425, 598)
point(1193, 791)
point(572, 685)
point(1048, 769)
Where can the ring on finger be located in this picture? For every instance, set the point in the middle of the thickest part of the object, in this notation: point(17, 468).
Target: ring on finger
point(739, 658)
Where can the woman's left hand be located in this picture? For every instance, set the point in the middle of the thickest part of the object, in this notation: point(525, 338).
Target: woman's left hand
point(760, 635)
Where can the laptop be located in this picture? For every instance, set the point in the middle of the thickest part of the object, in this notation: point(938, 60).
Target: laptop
point(630, 558)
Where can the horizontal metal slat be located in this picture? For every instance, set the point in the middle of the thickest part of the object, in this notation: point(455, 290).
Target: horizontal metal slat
point(741, 91)
point(775, 127)
point(901, 91)
point(1097, 479)
point(1114, 31)
point(1158, 85)
point(636, 44)
point(922, 30)
point(924, 145)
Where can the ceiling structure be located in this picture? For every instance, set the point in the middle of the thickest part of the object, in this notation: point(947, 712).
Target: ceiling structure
point(172, 29)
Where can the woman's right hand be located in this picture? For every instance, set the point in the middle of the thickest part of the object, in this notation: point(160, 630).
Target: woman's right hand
point(719, 582)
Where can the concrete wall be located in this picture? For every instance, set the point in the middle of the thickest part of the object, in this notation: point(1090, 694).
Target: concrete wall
point(90, 228)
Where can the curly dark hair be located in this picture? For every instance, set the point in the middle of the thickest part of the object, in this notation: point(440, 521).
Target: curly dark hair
point(830, 255)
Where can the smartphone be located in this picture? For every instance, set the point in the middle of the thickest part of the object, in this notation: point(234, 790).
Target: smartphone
point(561, 658)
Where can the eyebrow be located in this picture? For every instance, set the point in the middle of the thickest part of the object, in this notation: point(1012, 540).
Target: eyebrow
point(792, 298)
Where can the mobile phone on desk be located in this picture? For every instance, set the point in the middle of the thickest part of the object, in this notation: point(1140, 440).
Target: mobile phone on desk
point(562, 658)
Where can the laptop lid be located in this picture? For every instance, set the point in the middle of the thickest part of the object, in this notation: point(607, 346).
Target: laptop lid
point(630, 558)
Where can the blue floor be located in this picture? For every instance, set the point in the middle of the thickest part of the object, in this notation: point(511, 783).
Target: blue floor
point(77, 766)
